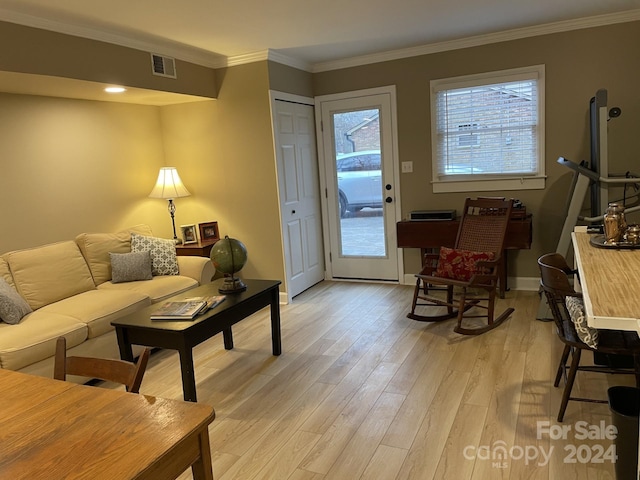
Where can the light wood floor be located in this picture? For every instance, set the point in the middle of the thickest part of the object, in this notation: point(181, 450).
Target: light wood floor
point(362, 392)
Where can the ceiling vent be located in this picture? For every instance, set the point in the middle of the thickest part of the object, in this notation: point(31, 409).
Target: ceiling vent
point(163, 66)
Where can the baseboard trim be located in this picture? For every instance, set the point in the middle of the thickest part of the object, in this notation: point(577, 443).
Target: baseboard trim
point(283, 298)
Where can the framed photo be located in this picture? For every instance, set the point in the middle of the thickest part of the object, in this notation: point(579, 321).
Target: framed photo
point(208, 231)
point(189, 234)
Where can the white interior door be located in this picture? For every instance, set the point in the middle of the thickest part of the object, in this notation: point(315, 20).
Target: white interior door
point(299, 191)
point(360, 176)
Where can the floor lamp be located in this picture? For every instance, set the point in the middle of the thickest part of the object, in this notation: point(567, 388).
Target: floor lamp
point(169, 186)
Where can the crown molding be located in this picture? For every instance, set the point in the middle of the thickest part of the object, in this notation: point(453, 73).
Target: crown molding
point(260, 56)
point(246, 58)
point(478, 40)
point(146, 43)
point(209, 59)
point(289, 61)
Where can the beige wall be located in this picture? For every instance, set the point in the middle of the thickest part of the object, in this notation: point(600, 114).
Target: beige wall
point(225, 149)
point(577, 64)
point(36, 51)
point(283, 78)
point(72, 166)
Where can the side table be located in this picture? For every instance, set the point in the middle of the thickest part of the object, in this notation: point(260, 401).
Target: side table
point(200, 249)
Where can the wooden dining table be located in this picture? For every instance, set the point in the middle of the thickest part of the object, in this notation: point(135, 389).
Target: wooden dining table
point(50, 429)
point(610, 283)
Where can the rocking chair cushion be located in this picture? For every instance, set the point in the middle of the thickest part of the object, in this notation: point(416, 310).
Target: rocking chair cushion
point(460, 264)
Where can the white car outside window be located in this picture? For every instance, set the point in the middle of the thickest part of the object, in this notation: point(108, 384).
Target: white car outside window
point(359, 180)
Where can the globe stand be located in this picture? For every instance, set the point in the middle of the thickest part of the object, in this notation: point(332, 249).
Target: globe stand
point(232, 285)
point(229, 256)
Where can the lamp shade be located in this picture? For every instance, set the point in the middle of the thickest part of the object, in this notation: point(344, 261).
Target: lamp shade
point(169, 185)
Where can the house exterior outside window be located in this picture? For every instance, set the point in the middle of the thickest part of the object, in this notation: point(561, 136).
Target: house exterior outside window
point(487, 131)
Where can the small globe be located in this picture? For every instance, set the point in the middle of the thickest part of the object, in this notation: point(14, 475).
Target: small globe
point(229, 255)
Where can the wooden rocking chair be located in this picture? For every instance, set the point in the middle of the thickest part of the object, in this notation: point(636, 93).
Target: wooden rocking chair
point(471, 267)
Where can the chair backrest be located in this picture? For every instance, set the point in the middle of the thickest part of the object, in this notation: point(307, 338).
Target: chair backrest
point(483, 224)
point(119, 371)
point(554, 280)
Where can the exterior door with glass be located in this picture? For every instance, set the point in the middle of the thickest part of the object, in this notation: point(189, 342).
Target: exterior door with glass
point(361, 201)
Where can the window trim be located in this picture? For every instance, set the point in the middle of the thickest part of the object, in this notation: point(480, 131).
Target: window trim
point(482, 182)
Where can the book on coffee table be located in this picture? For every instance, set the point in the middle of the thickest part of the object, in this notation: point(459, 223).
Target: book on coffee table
point(211, 300)
point(179, 310)
point(187, 309)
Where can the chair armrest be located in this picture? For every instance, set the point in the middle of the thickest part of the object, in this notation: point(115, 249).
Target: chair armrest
point(199, 268)
point(429, 263)
point(490, 265)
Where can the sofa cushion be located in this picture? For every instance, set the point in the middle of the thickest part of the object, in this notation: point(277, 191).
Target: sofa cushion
point(128, 267)
point(12, 306)
point(95, 248)
point(159, 288)
point(5, 273)
point(98, 308)
point(163, 253)
point(49, 273)
point(35, 338)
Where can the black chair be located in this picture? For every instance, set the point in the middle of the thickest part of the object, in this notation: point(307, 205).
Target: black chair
point(554, 280)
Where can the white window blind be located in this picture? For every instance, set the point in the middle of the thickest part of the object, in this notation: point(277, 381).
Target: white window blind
point(487, 126)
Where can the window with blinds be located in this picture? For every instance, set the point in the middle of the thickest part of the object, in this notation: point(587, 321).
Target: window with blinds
point(489, 129)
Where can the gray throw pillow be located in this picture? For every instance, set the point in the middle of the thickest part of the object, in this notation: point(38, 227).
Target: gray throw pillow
point(163, 253)
point(129, 267)
point(12, 306)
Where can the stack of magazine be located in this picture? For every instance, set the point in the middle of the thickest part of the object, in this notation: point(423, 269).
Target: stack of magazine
point(186, 309)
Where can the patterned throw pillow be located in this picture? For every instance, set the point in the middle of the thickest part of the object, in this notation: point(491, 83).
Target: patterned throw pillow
point(460, 264)
point(12, 306)
point(587, 334)
point(163, 253)
point(130, 267)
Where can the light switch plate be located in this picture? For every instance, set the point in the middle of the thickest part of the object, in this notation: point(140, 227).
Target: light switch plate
point(407, 167)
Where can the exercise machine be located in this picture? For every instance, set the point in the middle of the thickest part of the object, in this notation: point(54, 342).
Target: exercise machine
point(593, 177)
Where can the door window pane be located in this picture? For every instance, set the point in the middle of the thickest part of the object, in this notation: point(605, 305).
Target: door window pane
point(359, 181)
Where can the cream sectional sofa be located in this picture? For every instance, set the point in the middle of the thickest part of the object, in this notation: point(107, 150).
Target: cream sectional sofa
point(69, 287)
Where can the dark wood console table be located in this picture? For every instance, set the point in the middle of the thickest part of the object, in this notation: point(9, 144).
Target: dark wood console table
point(430, 235)
point(200, 249)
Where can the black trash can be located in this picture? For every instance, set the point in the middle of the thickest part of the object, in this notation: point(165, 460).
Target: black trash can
point(624, 403)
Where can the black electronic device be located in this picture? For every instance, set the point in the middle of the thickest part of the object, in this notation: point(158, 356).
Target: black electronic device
point(432, 215)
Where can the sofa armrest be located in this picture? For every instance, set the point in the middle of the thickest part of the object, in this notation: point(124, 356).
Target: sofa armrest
point(199, 268)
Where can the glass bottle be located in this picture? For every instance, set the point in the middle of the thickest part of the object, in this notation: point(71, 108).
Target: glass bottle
point(633, 234)
point(614, 224)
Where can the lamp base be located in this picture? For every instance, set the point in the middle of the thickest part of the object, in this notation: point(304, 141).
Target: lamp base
point(232, 285)
point(177, 241)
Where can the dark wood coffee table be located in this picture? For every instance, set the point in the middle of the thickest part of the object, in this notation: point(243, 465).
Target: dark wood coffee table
point(139, 329)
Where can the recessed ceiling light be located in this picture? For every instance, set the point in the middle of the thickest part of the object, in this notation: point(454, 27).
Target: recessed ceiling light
point(115, 89)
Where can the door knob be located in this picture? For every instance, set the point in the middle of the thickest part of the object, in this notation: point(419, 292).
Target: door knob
point(387, 186)
point(388, 199)
point(293, 212)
